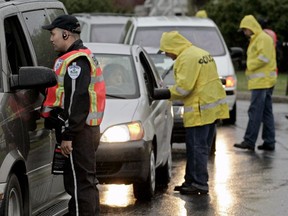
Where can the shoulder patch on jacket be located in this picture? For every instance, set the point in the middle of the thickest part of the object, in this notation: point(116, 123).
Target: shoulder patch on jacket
point(74, 70)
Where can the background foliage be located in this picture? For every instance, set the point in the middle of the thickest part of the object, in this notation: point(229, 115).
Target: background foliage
point(227, 14)
point(89, 6)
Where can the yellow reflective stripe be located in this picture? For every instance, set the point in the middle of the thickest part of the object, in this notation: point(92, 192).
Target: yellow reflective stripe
point(261, 75)
point(182, 91)
point(212, 105)
point(273, 74)
point(59, 92)
point(96, 79)
point(94, 115)
point(60, 79)
point(188, 109)
point(76, 55)
point(93, 98)
point(263, 58)
point(256, 75)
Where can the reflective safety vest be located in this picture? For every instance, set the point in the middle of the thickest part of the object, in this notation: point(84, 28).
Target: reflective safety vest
point(97, 91)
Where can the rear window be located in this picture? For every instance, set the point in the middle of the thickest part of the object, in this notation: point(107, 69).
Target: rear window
point(108, 33)
point(207, 38)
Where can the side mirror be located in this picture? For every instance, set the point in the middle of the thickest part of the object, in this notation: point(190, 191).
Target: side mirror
point(33, 77)
point(161, 94)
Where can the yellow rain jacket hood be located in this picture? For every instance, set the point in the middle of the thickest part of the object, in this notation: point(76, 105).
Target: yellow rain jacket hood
point(201, 14)
point(197, 83)
point(261, 56)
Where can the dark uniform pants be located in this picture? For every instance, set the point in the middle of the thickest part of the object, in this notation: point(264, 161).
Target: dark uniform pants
point(80, 174)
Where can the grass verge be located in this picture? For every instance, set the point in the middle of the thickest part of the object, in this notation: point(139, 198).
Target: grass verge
point(280, 88)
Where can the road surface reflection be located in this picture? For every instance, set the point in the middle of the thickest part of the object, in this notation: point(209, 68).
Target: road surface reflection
point(221, 175)
point(114, 195)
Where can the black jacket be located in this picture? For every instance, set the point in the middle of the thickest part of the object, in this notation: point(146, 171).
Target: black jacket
point(80, 102)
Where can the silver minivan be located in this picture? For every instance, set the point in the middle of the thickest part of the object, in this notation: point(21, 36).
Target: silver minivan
point(137, 124)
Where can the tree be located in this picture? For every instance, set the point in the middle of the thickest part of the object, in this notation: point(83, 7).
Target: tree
point(227, 14)
point(89, 6)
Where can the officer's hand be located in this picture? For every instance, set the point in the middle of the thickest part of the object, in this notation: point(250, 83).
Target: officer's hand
point(66, 147)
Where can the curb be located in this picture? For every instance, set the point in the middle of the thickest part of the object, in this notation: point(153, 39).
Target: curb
point(276, 98)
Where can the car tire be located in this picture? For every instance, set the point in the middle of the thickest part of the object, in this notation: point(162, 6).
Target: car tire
point(13, 204)
point(163, 174)
point(232, 114)
point(145, 190)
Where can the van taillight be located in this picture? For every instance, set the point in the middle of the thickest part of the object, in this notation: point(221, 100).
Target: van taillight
point(230, 82)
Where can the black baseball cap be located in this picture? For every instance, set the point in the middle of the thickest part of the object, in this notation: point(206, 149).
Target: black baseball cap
point(67, 22)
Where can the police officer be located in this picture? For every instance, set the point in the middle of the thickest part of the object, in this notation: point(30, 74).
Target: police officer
point(198, 85)
point(78, 100)
point(262, 77)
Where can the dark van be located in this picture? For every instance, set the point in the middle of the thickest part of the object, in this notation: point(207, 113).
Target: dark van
point(27, 186)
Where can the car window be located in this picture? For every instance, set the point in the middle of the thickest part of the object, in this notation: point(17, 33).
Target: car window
point(84, 31)
point(17, 48)
point(40, 38)
point(119, 75)
point(206, 38)
point(108, 33)
point(162, 63)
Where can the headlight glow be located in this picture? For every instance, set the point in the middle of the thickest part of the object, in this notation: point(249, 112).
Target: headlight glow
point(136, 131)
point(123, 133)
point(230, 81)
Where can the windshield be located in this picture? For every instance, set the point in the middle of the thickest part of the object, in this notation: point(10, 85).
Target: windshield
point(108, 33)
point(119, 75)
point(206, 38)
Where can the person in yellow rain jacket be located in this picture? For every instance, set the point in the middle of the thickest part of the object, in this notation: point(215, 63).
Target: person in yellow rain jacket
point(198, 85)
point(201, 14)
point(262, 77)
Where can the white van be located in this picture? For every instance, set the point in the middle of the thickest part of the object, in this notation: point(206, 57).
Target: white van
point(101, 28)
point(202, 32)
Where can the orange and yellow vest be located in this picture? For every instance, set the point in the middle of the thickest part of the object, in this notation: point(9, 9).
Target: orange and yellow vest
point(97, 92)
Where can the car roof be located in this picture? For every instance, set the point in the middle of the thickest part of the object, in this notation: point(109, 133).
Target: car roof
point(110, 48)
point(151, 50)
point(102, 18)
point(172, 21)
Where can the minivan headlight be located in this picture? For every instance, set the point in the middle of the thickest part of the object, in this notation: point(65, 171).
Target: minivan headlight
point(123, 133)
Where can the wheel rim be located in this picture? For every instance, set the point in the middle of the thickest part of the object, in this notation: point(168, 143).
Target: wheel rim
point(14, 205)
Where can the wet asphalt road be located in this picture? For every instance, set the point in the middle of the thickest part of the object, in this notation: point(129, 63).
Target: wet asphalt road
point(241, 182)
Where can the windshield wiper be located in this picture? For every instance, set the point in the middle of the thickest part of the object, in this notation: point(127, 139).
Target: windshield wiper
point(115, 96)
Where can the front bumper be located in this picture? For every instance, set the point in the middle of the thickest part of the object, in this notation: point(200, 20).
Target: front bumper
point(123, 163)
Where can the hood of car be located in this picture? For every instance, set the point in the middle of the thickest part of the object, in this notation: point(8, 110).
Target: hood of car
point(118, 111)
